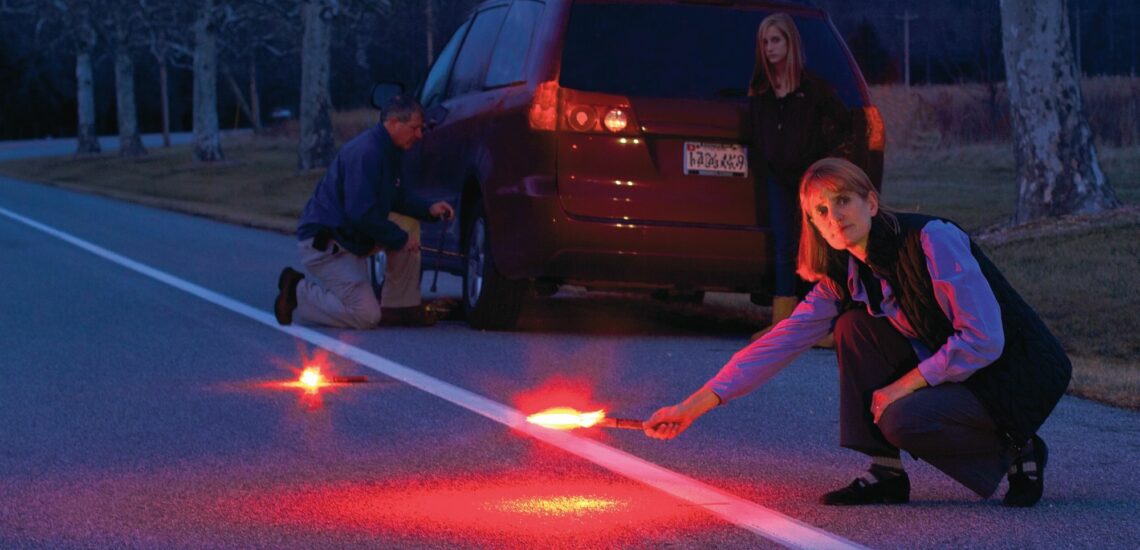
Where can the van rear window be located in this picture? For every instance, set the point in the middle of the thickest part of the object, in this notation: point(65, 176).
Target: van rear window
point(685, 51)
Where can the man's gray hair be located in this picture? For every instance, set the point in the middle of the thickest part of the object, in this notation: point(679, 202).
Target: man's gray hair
point(400, 108)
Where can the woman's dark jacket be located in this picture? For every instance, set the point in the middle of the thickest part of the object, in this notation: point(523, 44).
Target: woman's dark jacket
point(1023, 385)
point(790, 133)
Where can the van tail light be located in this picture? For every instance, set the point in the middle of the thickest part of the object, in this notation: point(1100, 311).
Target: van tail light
point(616, 120)
point(557, 108)
point(876, 132)
point(543, 113)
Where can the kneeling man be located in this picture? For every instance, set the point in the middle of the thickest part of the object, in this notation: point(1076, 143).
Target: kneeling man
point(358, 209)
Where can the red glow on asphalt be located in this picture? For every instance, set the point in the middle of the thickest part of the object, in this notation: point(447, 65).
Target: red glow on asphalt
point(486, 511)
point(558, 392)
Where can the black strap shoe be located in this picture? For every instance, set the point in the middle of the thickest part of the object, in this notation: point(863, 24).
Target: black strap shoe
point(286, 300)
point(894, 490)
point(1026, 486)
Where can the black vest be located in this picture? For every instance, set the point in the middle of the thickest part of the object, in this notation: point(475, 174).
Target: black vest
point(1023, 385)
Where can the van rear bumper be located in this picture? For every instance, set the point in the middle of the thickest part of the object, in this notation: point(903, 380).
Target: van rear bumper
point(592, 251)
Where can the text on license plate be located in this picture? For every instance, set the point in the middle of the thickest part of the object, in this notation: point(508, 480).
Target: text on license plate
point(715, 159)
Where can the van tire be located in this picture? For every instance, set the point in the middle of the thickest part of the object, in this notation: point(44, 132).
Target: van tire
point(490, 301)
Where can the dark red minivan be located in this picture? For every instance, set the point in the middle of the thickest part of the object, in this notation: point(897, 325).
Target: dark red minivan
point(605, 144)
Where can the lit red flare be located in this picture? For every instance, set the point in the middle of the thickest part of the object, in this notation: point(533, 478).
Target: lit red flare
point(312, 380)
point(566, 418)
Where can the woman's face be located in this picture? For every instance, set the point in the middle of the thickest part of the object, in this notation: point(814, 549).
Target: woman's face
point(843, 218)
point(775, 45)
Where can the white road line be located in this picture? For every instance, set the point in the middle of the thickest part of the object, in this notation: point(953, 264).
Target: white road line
point(762, 521)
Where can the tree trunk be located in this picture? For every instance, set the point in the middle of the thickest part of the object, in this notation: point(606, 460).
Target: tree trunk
point(1057, 168)
point(242, 104)
point(130, 142)
point(88, 141)
point(429, 32)
point(316, 148)
point(207, 142)
point(164, 90)
point(254, 100)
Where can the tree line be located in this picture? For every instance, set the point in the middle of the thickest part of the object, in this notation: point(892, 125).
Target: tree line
point(229, 40)
point(227, 45)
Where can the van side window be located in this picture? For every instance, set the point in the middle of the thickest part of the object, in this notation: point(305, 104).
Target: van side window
point(513, 44)
point(436, 79)
point(473, 56)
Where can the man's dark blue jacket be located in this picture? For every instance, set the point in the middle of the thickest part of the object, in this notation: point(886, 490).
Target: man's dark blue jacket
point(354, 198)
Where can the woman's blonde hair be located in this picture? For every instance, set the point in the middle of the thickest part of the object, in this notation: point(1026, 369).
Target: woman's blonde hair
point(838, 176)
point(762, 75)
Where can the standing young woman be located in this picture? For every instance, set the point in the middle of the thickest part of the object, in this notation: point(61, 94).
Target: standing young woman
point(938, 355)
point(797, 119)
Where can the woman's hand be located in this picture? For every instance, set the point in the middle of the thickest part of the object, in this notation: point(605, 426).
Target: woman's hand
point(883, 397)
point(669, 422)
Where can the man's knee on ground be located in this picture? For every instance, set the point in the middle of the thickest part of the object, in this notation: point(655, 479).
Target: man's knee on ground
point(365, 308)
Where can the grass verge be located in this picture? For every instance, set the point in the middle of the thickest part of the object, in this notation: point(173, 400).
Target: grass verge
point(1079, 273)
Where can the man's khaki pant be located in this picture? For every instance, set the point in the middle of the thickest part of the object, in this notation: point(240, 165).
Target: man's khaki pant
point(337, 290)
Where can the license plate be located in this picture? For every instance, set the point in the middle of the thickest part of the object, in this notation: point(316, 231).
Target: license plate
point(715, 159)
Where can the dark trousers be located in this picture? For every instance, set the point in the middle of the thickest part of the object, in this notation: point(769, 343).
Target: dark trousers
point(945, 425)
point(784, 217)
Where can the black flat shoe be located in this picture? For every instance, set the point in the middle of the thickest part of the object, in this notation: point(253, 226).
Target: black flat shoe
point(895, 490)
point(1026, 488)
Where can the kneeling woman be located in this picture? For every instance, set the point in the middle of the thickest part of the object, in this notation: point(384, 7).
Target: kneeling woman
point(938, 355)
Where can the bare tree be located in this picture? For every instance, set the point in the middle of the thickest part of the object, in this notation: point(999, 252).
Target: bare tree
point(429, 32)
point(1057, 168)
point(120, 26)
point(87, 140)
point(162, 30)
point(256, 28)
point(316, 145)
point(67, 25)
point(207, 139)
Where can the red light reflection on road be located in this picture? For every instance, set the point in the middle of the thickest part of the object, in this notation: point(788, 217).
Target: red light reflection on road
point(484, 510)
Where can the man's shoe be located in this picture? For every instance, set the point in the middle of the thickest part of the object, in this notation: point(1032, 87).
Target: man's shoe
point(412, 316)
point(1026, 486)
point(895, 490)
point(286, 300)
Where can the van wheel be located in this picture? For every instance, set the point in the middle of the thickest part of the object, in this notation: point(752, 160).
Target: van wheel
point(490, 300)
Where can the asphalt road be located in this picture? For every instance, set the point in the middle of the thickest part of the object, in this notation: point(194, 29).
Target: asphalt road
point(142, 405)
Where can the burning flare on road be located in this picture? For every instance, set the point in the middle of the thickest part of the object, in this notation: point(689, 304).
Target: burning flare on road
point(311, 379)
point(566, 418)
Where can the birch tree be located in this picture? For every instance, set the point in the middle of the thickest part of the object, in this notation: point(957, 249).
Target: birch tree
point(315, 148)
point(68, 25)
point(86, 137)
point(1057, 168)
point(121, 29)
point(207, 138)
